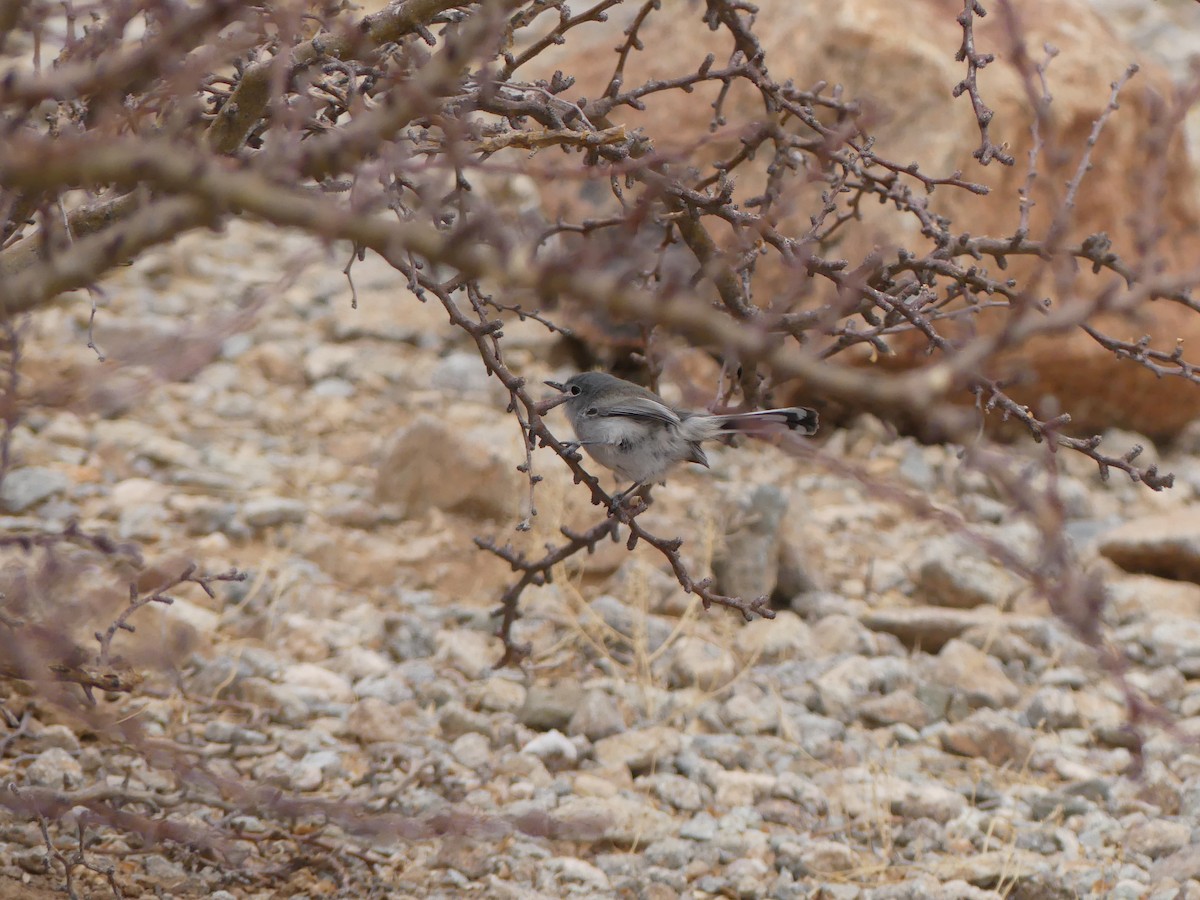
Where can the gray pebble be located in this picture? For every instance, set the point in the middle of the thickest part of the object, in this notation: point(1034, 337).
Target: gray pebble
point(55, 768)
point(472, 749)
point(29, 486)
point(551, 705)
point(597, 716)
point(333, 387)
point(267, 512)
point(700, 827)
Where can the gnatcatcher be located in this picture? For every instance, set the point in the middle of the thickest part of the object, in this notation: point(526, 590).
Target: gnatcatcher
point(632, 431)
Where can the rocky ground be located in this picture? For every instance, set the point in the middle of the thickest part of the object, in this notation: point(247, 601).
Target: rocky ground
point(914, 722)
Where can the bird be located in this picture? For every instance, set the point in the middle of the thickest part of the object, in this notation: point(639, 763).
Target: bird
point(639, 436)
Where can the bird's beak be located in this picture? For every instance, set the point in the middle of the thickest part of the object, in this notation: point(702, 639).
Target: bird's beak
point(561, 388)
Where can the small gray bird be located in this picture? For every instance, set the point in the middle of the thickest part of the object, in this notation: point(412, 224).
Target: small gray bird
point(632, 431)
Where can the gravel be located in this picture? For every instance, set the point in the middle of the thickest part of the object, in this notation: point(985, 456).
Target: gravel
point(918, 727)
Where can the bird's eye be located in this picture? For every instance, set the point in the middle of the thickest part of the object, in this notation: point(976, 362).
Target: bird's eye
point(592, 411)
point(575, 390)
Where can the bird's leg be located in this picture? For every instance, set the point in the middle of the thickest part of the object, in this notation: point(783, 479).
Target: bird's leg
point(638, 489)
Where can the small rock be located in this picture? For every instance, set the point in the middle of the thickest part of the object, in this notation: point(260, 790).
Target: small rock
point(1167, 545)
point(362, 514)
point(552, 746)
point(45, 737)
point(987, 868)
point(747, 561)
point(55, 768)
point(798, 570)
point(280, 769)
point(372, 720)
point(695, 662)
point(848, 683)
point(1158, 837)
point(1057, 804)
point(638, 750)
point(956, 574)
point(145, 522)
point(174, 630)
point(551, 706)
point(136, 491)
point(454, 720)
point(682, 793)
point(471, 652)
point(572, 870)
point(206, 515)
point(1053, 709)
point(775, 640)
point(499, 694)
point(267, 512)
point(235, 345)
point(741, 788)
point(164, 451)
point(860, 791)
point(472, 750)
point(915, 466)
point(746, 876)
point(358, 663)
point(671, 853)
point(803, 792)
point(318, 685)
point(65, 427)
point(926, 628)
point(165, 872)
point(621, 820)
point(220, 732)
point(649, 630)
point(29, 486)
point(280, 701)
point(1161, 685)
point(1174, 641)
point(988, 734)
point(1182, 865)
point(483, 462)
point(701, 827)
point(748, 710)
point(1145, 596)
point(589, 785)
point(333, 387)
point(930, 801)
point(898, 707)
point(976, 677)
point(329, 361)
point(635, 582)
point(839, 633)
point(390, 687)
point(819, 857)
point(597, 716)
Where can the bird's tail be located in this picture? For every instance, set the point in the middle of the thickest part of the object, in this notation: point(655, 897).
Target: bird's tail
point(794, 418)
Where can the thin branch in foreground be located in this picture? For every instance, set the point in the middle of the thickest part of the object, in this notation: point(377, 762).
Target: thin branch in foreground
point(159, 595)
point(976, 62)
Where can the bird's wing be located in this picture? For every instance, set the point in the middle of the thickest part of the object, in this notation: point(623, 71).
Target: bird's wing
point(643, 408)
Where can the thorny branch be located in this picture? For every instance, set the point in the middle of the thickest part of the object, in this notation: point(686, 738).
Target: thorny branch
point(976, 62)
point(159, 595)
